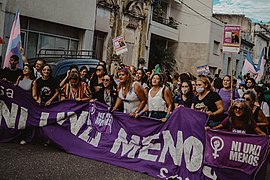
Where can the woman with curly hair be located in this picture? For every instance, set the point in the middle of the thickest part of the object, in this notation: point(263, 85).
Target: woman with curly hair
point(240, 119)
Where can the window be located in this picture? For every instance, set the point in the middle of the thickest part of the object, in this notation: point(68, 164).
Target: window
point(99, 38)
point(37, 34)
point(216, 50)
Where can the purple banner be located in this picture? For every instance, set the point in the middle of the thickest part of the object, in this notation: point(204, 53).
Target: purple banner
point(236, 151)
point(174, 149)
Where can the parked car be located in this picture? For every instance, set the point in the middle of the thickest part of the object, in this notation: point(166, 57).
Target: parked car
point(61, 67)
point(60, 60)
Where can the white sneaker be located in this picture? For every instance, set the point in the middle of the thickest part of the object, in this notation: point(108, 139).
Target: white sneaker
point(23, 142)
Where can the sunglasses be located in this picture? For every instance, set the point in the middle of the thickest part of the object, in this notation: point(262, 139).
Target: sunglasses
point(247, 99)
point(106, 80)
point(238, 108)
point(99, 70)
point(239, 100)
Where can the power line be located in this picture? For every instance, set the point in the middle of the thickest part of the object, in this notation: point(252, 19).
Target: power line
point(201, 14)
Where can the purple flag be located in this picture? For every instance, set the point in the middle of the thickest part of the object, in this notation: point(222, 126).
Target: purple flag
point(240, 152)
point(174, 149)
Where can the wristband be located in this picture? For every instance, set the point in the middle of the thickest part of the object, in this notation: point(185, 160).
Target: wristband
point(167, 116)
point(141, 113)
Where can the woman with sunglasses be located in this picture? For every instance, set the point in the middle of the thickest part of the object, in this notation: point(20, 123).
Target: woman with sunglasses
point(142, 79)
point(76, 89)
point(25, 81)
point(45, 88)
point(258, 115)
point(109, 91)
point(186, 96)
point(130, 93)
point(96, 82)
point(208, 101)
point(240, 120)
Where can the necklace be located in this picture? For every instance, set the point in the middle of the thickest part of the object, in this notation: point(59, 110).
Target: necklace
point(124, 92)
point(74, 93)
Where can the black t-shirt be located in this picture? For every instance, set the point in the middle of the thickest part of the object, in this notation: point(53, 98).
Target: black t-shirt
point(208, 104)
point(46, 88)
point(11, 75)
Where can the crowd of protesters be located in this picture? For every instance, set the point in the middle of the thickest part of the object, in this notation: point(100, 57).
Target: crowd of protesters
point(238, 107)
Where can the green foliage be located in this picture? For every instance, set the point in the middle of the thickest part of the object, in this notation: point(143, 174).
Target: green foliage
point(162, 56)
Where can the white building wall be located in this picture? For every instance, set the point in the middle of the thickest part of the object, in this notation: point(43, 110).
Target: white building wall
point(79, 13)
point(195, 29)
point(194, 35)
point(216, 42)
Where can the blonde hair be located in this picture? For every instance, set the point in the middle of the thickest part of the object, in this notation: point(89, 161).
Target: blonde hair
point(207, 82)
point(128, 83)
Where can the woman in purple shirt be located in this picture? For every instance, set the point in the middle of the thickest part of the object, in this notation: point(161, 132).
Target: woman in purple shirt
point(225, 94)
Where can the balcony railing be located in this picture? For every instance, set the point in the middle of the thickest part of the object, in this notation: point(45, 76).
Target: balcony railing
point(168, 22)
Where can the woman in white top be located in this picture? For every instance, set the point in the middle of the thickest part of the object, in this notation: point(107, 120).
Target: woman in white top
point(130, 93)
point(141, 78)
point(25, 81)
point(159, 99)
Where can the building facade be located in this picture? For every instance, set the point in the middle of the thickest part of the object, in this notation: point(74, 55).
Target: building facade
point(186, 28)
point(232, 64)
point(51, 24)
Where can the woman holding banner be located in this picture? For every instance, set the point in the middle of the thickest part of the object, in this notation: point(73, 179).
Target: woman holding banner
point(240, 119)
point(109, 91)
point(76, 89)
point(45, 89)
point(159, 99)
point(258, 114)
point(186, 96)
point(208, 101)
point(25, 81)
point(130, 93)
point(96, 82)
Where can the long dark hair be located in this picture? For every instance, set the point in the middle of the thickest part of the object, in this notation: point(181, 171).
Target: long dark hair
point(94, 79)
point(144, 78)
point(190, 93)
point(32, 75)
point(253, 82)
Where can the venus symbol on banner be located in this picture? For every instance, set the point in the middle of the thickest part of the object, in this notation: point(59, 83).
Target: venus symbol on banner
point(217, 144)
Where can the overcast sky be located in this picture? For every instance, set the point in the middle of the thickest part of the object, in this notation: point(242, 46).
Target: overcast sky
point(256, 10)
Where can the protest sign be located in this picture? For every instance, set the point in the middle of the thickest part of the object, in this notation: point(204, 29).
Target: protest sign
point(203, 70)
point(119, 45)
point(174, 149)
point(232, 38)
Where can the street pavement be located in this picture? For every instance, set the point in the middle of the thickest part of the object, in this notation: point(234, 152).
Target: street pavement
point(34, 161)
point(38, 162)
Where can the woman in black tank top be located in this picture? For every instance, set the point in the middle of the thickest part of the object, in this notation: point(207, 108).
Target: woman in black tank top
point(258, 114)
